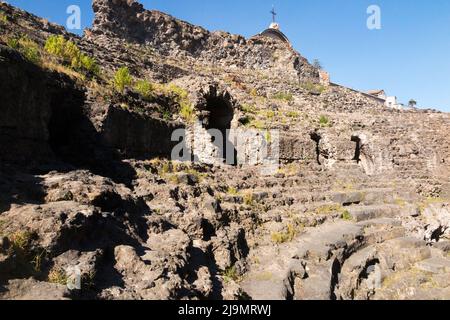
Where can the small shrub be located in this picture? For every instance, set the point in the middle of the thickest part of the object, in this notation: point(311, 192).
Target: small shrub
point(122, 79)
point(3, 18)
point(145, 89)
point(248, 199)
point(181, 96)
point(232, 191)
point(20, 241)
point(285, 96)
point(32, 55)
point(166, 168)
point(248, 108)
point(187, 112)
point(347, 216)
point(317, 64)
point(293, 114)
point(324, 121)
point(166, 115)
point(328, 209)
point(13, 43)
point(289, 170)
point(312, 87)
point(89, 64)
point(268, 136)
point(256, 124)
point(176, 91)
point(27, 47)
point(269, 114)
point(253, 92)
point(231, 274)
point(37, 260)
point(57, 276)
point(71, 54)
point(56, 46)
point(287, 236)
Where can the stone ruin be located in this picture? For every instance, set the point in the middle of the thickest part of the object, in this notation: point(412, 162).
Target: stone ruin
point(358, 209)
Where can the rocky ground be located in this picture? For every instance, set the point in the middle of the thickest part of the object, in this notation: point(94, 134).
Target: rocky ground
point(359, 209)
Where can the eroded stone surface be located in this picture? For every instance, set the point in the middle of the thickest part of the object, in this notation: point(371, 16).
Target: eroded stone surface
point(359, 208)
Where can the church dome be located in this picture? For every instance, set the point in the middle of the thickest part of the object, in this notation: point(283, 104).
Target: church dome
point(274, 32)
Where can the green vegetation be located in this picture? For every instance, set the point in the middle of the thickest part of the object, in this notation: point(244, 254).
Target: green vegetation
point(412, 103)
point(317, 64)
point(166, 168)
point(430, 200)
point(256, 124)
point(347, 216)
point(324, 121)
point(37, 260)
point(268, 136)
point(3, 18)
point(57, 276)
point(171, 171)
point(269, 114)
point(293, 114)
point(286, 236)
point(27, 47)
point(13, 43)
point(232, 191)
point(28, 258)
point(187, 112)
point(285, 96)
point(145, 89)
point(289, 170)
point(122, 79)
point(20, 241)
point(248, 108)
point(71, 54)
point(328, 209)
point(253, 92)
point(181, 97)
point(312, 87)
point(248, 199)
point(230, 274)
point(400, 202)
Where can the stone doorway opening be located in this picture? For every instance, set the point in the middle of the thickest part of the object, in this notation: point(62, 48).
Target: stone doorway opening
point(316, 138)
point(357, 156)
point(220, 114)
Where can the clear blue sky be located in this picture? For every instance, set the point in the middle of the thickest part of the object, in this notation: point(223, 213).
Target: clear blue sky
point(409, 57)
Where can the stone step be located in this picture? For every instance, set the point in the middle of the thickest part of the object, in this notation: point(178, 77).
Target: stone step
point(363, 213)
point(435, 265)
point(317, 285)
point(366, 196)
point(271, 278)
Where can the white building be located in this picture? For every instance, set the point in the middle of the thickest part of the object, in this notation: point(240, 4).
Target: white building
point(389, 101)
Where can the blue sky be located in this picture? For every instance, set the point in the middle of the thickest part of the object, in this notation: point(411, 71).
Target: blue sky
point(409, 57)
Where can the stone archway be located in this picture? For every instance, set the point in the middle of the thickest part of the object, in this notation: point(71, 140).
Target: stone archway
point(219, 115)
point(210, 137)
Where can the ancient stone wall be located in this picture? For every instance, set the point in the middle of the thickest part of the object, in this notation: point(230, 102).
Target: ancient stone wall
point(169, 36)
